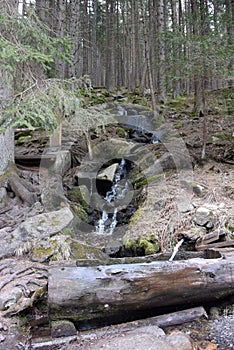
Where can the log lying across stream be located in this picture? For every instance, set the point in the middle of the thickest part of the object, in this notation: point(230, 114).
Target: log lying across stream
point(116, 293)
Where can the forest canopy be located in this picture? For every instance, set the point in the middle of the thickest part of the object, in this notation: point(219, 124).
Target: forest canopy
point(170, 47)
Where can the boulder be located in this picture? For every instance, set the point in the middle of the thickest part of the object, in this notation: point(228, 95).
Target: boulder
point(108, 173)
point(62, 247)
point(37, 227)
point(206, 216)
point(147, 337)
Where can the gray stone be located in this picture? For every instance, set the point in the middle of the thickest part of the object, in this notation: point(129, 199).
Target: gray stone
point(9, 298)
point(3, 197)
point(142, 338)
point(34, 228)
point(179, 341)
point(63, 328)
point(205, 217)
point(108, 173)
point(44, 225)
point(133, 340)
point(194, 233)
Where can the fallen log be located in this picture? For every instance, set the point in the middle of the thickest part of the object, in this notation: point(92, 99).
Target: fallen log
point(168, 320)
point(117, 293)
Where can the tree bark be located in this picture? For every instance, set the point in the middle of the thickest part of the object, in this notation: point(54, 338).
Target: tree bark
point(120, 292)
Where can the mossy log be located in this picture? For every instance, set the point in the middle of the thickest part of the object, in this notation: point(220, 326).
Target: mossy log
point(115, 293)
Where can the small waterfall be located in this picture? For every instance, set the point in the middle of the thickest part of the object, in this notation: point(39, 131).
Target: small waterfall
point(108, 221)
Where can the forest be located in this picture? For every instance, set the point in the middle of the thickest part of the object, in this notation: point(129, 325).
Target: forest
point(116, 174)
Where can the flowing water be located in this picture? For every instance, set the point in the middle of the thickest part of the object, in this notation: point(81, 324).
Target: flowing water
point(108, 221)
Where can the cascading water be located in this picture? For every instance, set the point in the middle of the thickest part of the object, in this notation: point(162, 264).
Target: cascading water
point(120, 187)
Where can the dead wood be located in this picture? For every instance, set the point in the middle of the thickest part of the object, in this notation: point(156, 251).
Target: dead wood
point(19, 187)
point(224, 244)
point(122, 291)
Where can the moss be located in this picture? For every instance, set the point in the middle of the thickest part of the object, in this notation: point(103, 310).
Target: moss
point(137, 216)
point(55, 221)
point(23, 139)
point(223, 137)
point(122, 133)
point(41, 252)
point(177, 125)
point(75, 195)
point(131, 245)
point(79, 212)
point(149, 246)
point(83, 251)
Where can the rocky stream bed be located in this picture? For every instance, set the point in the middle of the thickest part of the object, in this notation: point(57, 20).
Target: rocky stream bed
point(163, 196)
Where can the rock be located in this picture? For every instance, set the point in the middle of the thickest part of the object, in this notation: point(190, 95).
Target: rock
point(9, 298)
point(194, 233)
point(184, 206)
point(179, 340)
point(56, 162)
point(2, 338)
point(63, 247)
point(108, 173)
point(214, 312)
point(62, 328)
point(205, 216)
point(3, 197)
point(38, 227)
point(199, 190)
point(150, 338)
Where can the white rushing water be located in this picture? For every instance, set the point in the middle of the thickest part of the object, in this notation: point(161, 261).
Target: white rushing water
point(108, 221)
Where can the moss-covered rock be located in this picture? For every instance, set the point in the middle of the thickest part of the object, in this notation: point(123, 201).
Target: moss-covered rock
point(78, 195)
point(149, 247)
point(62, 247)
point(79, 212)
point(142, 245)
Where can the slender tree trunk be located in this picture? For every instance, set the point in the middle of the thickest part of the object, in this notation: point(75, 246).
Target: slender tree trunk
point(94, 44)
point(161, 52)
point(73, 20)
point(85, 35)
point(148, 63)
point(110, 64)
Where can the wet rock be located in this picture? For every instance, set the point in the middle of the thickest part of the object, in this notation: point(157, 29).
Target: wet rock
point(108, 173)
point(62, 328)
point(3, 197)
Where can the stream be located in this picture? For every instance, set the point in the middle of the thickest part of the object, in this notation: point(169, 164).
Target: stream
point(119, 189)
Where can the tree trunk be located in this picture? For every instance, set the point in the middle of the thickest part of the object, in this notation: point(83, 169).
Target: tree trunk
point(147, 59)
point(161, 52)
point(110, 64)
point(120, 292)
point(7, 149)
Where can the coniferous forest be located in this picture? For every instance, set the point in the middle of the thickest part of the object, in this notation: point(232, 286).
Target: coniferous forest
point(116, 174)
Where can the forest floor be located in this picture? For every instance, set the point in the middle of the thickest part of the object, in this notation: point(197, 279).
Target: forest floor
point(216, 174)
